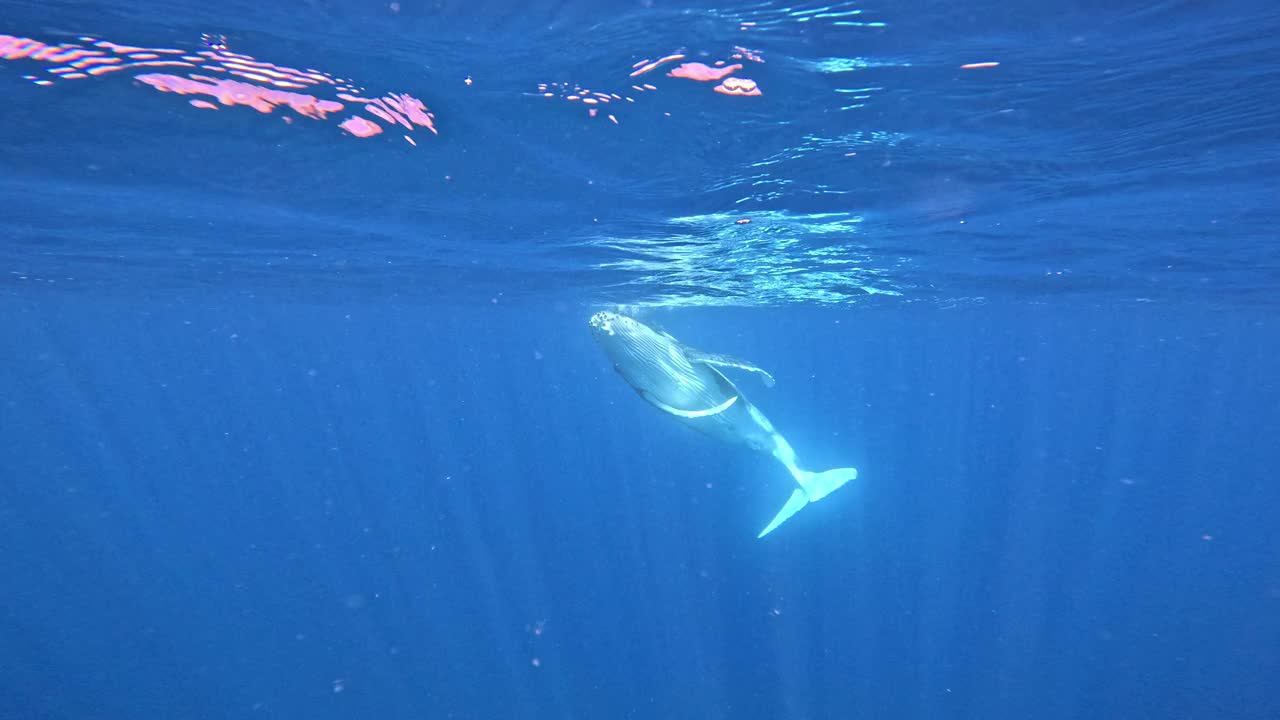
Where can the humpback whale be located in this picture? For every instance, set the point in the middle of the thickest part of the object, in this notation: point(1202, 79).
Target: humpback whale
point(687, 384)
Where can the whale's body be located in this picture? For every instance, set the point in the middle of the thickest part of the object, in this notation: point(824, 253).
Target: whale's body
point(686, 384)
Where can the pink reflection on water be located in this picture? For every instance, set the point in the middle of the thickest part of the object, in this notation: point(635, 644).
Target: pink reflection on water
point(360, 127)
point(738, 86)
point(721, 71)
point(234, 92)
point(703, 73)
point(644, 66)
point(260, 85)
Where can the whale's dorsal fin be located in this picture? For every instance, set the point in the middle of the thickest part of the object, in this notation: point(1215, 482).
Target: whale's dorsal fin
point(691, 413)
point(728, 361)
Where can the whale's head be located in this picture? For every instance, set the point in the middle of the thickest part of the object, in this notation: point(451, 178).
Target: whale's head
point(650, 360)
point(605, 323)
point(611, 328)
point(621, 337)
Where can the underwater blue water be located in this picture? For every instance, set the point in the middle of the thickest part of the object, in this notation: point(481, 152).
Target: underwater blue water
point(299, 424)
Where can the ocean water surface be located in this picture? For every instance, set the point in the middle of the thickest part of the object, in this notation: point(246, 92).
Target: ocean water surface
point(303, 417)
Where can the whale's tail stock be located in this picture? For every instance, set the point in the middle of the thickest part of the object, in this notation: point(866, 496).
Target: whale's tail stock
point(813, 487)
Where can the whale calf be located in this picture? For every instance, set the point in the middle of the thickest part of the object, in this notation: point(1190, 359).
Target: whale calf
point(687, 384)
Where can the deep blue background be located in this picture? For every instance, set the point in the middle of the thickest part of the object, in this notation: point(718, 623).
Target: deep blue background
point(301, 426)
point(212, 508)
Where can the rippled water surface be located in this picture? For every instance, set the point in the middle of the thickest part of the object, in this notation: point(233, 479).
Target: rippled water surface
point(905, 152)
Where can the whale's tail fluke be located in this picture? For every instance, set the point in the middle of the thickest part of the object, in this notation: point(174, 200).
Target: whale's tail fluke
point(813, 487)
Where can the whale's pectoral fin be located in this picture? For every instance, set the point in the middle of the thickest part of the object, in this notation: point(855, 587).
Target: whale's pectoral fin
point(728, 362)
point(690, 413)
